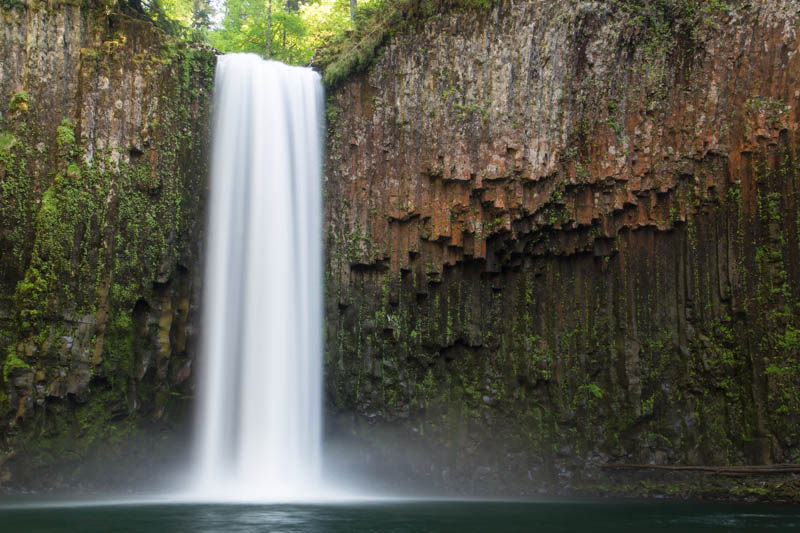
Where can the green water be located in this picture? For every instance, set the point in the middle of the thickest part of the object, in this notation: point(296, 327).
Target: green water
point(401, 517)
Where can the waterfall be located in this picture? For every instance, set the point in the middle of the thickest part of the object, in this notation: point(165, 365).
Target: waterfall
point(259, 417)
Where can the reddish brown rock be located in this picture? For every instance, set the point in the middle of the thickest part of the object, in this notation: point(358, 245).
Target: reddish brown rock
point(591, 223)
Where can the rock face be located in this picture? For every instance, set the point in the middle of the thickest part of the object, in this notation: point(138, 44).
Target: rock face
point(562, 235)
point(103, 143)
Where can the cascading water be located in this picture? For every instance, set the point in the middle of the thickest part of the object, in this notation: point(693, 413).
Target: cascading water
point(259, 420)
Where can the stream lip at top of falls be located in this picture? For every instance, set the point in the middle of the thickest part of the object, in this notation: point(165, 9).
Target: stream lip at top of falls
point(259, 405)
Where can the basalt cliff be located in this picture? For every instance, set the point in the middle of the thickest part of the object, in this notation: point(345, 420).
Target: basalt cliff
point(563, 237)
point(103, 148)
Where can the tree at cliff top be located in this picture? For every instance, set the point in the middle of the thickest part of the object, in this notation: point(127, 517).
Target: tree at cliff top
point(373, 23)
point(195, 14)
point(343, 36)
point(286, 30)
point(340, 36)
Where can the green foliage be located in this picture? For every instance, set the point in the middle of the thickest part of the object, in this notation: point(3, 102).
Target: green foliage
point(7, 142)
point(164, 15)
point(375, 22)
point(30, 296)
point(271, 28)
point(659, 20)
point(65, 134)
point(301, 31)
point(11, 4)
point(19, 103)
point(593, 389)
point(12, 362)
point(286, 30)
point(180, 11)
point(774, 110)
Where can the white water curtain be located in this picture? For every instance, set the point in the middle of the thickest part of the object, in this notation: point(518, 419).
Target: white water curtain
point(259, 409)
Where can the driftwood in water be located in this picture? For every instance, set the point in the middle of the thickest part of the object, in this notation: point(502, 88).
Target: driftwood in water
point(760, 469)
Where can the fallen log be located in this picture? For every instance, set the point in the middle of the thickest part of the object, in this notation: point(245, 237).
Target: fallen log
point(754, 469)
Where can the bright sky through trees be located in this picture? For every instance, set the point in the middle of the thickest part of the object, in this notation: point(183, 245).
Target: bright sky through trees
point(286, 30)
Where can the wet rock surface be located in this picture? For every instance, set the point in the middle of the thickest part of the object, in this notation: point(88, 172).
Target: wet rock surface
point(559, 237)
point(103, 144)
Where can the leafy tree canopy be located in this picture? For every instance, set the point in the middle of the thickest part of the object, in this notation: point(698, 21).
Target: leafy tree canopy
point(286, 30)
point(338, 36)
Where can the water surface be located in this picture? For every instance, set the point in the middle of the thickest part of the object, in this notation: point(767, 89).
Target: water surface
point(402, 517)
